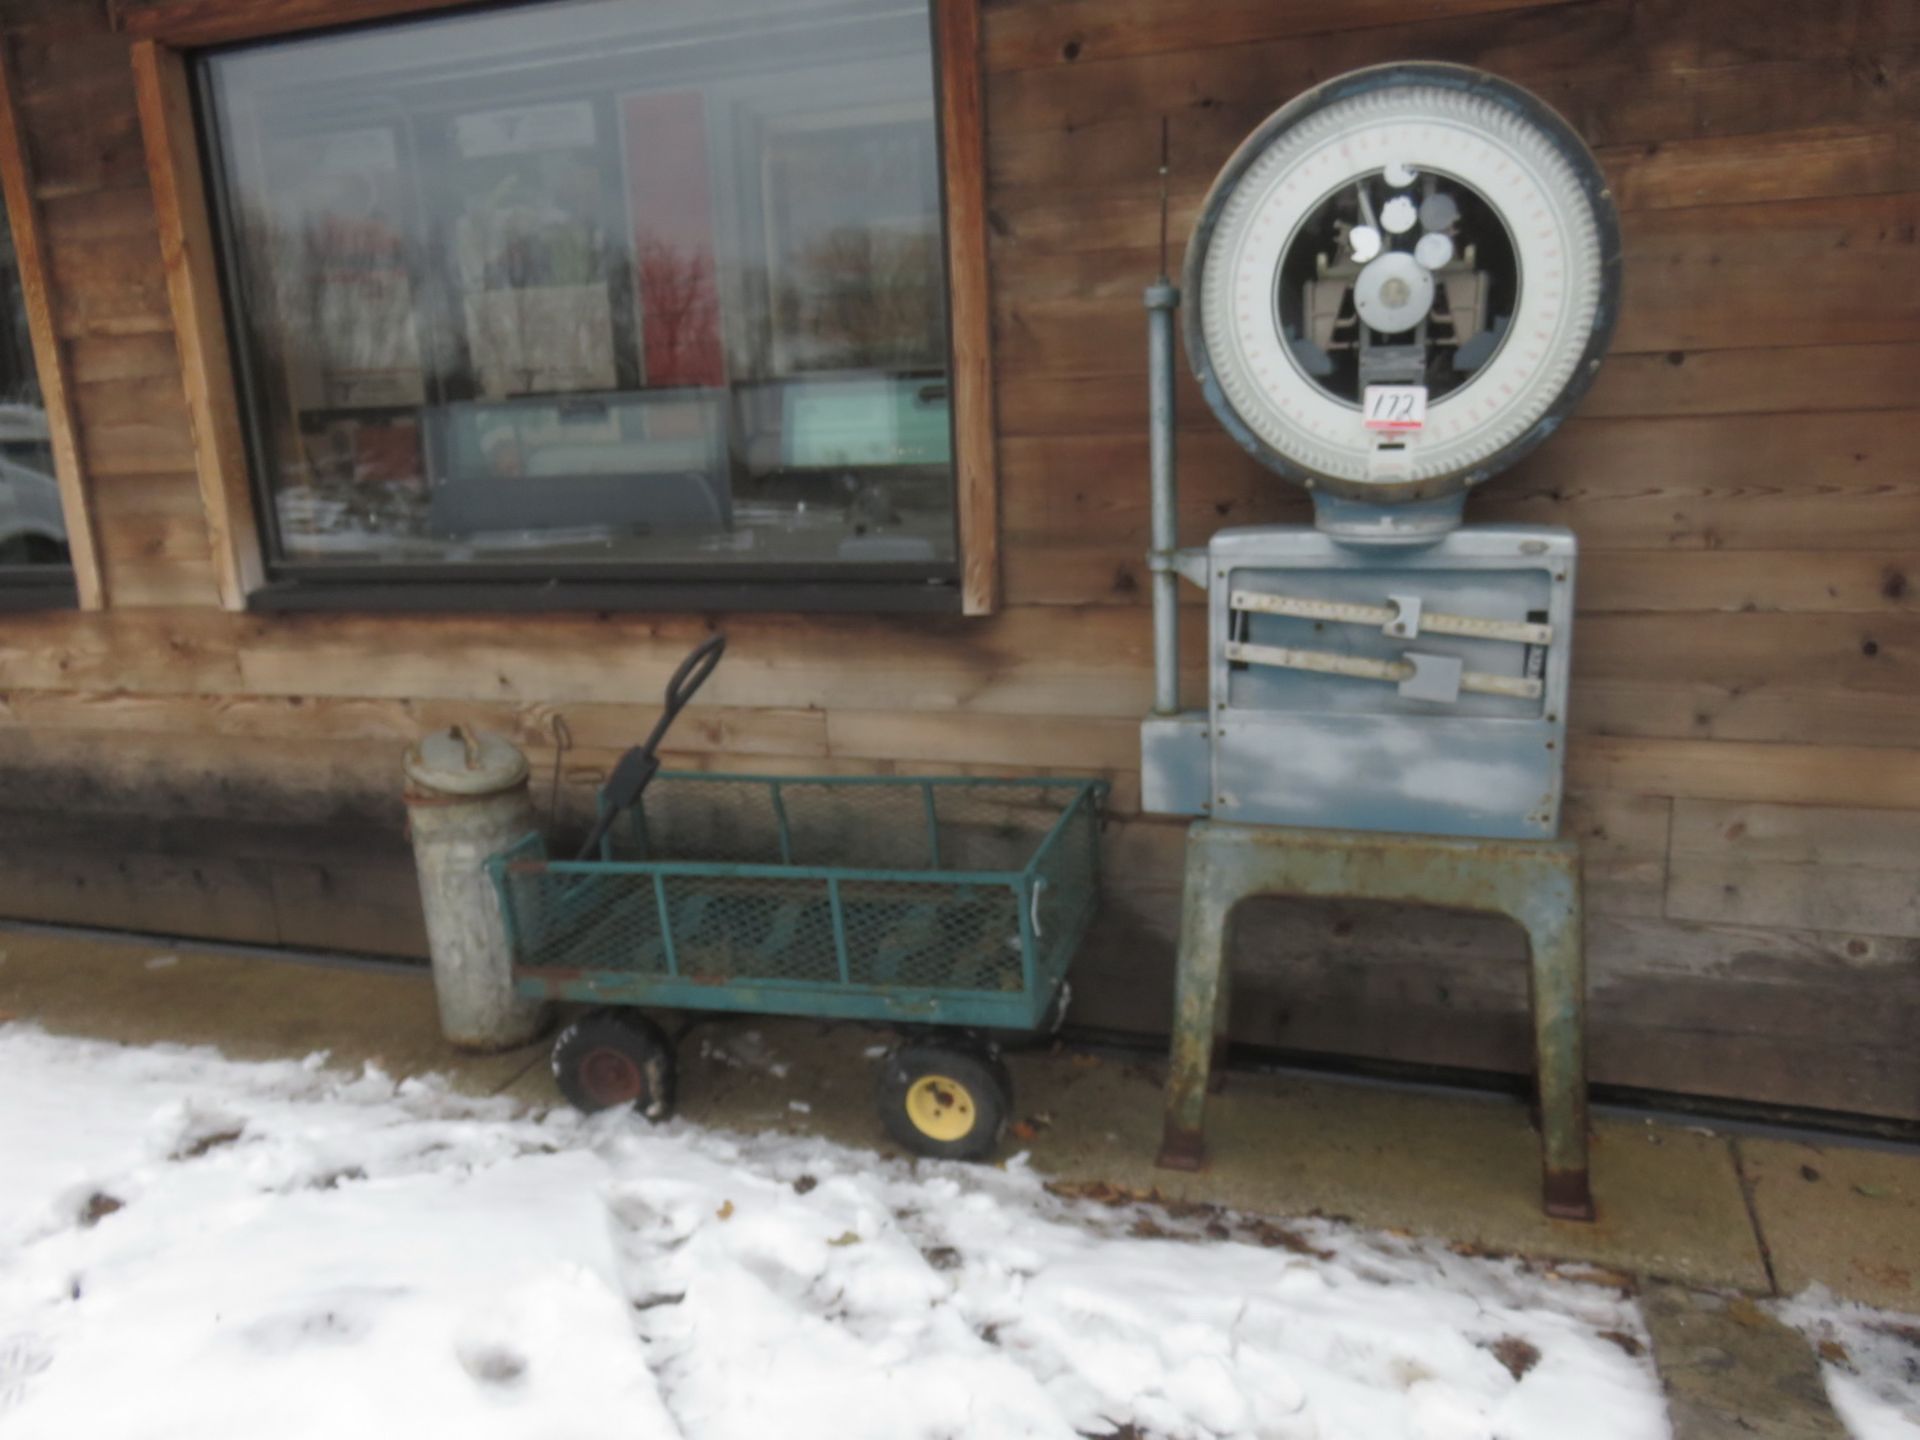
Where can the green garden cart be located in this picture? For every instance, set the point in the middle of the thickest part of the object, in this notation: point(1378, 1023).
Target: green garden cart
point(946, 907)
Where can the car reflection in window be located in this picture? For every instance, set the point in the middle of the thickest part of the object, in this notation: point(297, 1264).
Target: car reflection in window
point(32, 531)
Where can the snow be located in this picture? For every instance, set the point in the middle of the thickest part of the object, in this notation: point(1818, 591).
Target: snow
point(195, 1247)
point(1869, 1358)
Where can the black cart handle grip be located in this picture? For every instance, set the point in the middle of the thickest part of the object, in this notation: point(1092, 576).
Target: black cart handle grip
point(686, 682)
point(633, 770)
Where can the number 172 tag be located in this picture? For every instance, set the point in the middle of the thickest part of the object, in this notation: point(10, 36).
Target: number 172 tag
point(1395, 407)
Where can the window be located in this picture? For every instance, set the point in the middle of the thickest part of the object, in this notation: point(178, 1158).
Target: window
point(612, 291)
point(34, 563)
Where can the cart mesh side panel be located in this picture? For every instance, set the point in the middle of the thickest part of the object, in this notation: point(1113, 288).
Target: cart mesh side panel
point(947, 899)
point(1068, 875)
point(573, 922)
point(932, 937)
point(895, 825)
point(726, 931)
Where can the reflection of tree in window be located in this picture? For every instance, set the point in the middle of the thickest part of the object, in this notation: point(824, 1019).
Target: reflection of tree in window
point(339, 325)
point(864, 299)
point(854, 235)
point(531, 256)
point(682, 310)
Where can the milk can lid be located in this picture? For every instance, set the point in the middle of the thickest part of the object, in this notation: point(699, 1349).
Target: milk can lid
point(459, 761)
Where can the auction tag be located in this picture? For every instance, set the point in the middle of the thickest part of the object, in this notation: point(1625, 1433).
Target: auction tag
point(1395, 407)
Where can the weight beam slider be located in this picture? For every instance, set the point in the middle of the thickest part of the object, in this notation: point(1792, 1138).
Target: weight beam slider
point(1471, 627)
point(1359, 667)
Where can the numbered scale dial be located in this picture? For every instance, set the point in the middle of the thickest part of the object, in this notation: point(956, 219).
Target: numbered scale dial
point(1402, 282)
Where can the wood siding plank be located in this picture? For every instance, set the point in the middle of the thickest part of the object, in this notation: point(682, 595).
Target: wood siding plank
point(1029, 37)
point(1622, 74)
point(1857, 776)
point(1811, 482)
point(1796, 867)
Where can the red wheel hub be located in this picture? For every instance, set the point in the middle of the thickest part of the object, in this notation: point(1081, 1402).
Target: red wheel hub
point(611, 1077)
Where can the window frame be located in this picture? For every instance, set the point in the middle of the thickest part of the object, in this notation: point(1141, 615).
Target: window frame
point(166, 33)
point(81, 583)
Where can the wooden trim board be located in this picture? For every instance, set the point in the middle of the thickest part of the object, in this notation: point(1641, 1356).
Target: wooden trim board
point(963, 141)
point(184, 24)
point(165, 99)
point(49, 358)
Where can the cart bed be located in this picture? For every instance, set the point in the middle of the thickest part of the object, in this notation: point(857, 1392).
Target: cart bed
point(936, 900)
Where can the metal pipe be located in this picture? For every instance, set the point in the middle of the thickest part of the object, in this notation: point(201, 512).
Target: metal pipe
point(1162, 299)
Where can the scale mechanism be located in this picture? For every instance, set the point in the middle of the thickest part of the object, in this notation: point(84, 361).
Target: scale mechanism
point(1388, 332)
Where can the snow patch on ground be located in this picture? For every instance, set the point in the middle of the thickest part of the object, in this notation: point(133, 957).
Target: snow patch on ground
point(193, 1247)
point(1870, 1359)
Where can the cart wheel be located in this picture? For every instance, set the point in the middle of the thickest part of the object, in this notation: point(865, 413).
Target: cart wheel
point(615, 1057)
point(949, 1101)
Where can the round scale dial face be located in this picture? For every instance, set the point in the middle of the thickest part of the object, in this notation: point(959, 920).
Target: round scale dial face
point(1412, 229)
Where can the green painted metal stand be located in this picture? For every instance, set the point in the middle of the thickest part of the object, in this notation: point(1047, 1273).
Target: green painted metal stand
point(1535, 883)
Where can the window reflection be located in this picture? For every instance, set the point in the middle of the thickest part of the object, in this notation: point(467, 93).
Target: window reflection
point(631, 282)
point(32, 529)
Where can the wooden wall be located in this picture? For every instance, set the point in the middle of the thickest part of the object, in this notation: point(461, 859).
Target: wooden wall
point(1746, 772)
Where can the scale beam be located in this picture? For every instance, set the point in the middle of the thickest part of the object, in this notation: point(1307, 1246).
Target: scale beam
point(1386, 617)
point(1360, 667)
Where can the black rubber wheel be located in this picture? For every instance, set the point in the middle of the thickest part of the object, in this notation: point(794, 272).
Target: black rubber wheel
point(609, 1058)
point(949, 1100)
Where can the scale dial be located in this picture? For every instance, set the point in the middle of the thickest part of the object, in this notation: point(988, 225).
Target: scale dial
point(1416, 225)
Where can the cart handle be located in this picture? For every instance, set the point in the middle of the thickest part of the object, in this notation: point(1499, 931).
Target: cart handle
point(1039, 884)
point(633, 770)
point(687, 679)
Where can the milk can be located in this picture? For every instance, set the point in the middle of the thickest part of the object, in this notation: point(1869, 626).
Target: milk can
point(467, 799)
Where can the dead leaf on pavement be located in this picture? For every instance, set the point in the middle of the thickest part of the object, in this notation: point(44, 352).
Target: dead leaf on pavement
point(1279, 1237)
point(1516, 1354)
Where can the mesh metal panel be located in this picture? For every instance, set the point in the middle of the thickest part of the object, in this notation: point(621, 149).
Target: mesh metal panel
point(1068, 878)
point(948, 937)
point(690, 817)
point(904, 825)
point(839, 843)
point(571, 921)
point(752, 929)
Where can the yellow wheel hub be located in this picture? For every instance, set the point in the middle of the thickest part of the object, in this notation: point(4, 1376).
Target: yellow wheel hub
point(941, 1108)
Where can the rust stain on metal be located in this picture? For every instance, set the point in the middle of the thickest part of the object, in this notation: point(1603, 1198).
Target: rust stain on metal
point(1535, 884)
point(1567, 1195)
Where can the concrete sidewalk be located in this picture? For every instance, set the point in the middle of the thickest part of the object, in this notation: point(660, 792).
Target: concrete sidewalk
point(1683, 1209)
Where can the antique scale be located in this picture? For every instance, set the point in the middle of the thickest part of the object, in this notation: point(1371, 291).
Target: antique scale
point(1399, 284)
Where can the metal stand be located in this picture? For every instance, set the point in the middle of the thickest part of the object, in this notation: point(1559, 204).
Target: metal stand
point(1535, 883)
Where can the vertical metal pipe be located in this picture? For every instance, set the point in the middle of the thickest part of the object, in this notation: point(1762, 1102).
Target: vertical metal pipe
point(1163, 298)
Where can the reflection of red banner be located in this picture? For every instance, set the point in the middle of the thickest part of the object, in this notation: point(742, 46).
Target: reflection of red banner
point(671, 195)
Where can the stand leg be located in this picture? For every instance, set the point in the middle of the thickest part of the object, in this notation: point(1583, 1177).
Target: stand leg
point(1560, 1063)
point(1200, 1008)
